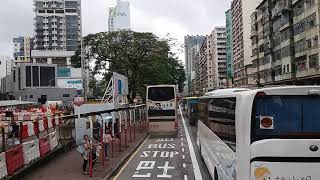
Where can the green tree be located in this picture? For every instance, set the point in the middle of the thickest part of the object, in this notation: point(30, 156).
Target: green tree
point(142, 57)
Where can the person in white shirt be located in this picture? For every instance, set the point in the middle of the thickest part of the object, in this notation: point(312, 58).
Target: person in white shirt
point(107, 142)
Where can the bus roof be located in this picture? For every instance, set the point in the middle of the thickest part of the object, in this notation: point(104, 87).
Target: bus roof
point(283, 90)
point(162, 85)
point(229, 91)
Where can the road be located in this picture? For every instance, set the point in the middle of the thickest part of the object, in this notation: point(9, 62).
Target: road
point(162, 157)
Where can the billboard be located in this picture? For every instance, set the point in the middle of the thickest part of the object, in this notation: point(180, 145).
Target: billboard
point(70, 83)
point(119, 16)
point(120, 84)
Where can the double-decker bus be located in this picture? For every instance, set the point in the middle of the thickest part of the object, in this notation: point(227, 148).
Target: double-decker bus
point(162, 109)
point(262, 134)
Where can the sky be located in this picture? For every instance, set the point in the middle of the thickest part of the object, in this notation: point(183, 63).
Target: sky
point(176, 17)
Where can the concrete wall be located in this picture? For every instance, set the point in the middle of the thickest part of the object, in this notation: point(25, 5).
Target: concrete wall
point(53, 94)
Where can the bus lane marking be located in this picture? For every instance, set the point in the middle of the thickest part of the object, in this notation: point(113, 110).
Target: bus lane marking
point(196, 168)
point(131, 157)
point(145, 169)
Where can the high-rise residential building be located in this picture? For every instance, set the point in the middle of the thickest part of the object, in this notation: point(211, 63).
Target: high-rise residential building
point(22, 47)
point(192, 45)
point(201, 68)
point(229, 48)
point(241, 11)
point(58, 34)
point(285, 42)
point(119, 16)
point(218, 62)
point(57, 24)
point(210, 63)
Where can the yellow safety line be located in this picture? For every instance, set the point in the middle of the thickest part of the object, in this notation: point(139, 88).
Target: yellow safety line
point(131, 157)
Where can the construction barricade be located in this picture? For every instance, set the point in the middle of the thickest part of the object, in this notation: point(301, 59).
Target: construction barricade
point(53, 140)
point(31, 151)
point(44, 146)
point(3, 166)
point(27, 130)
point(14, 159)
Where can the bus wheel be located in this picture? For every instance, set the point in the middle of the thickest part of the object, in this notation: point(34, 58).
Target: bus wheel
point(216, 174)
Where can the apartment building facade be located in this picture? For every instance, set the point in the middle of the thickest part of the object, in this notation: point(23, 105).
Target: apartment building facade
point(218, 63)
point(229, 48)
point(241, 11)
point(192, 45)
point(285, 37)
point(201, 69)
point(210, 63)
point(58, 34)
point(22, 47)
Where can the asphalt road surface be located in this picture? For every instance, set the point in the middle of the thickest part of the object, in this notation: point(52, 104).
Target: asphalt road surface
point(161, 157)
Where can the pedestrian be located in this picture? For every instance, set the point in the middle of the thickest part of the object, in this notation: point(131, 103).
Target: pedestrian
point(116, 129)
point(107, 142)
point(86, 146)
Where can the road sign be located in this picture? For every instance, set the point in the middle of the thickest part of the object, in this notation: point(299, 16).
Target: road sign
point(78, 101)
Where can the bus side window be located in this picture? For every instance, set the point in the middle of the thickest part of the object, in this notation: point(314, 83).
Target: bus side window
point(203, 110)
point(222, 120)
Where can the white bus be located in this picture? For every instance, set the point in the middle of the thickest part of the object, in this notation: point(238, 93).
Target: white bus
point(162, 109)
point(263, 134)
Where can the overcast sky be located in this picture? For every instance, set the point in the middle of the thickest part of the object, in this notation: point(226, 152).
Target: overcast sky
point(177, 17)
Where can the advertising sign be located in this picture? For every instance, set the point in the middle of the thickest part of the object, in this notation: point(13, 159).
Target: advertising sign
point(70, 83)
point(120, 84)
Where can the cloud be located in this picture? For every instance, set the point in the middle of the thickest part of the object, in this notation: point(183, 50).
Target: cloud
point(177, 17)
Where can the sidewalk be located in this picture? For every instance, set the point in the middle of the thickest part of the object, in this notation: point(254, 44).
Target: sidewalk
point(68, 166)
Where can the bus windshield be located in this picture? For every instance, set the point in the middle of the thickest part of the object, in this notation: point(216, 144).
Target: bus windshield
point(161, 93)
point(286, 117)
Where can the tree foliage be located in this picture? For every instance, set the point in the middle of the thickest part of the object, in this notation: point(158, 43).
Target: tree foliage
point(142, 57)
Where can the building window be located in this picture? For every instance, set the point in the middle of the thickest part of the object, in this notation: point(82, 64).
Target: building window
point(288, 68)
point(66, 95)
point(28, 76)
point(35, 75)
point(314, 61)
point(31, 96)
point(64, 72)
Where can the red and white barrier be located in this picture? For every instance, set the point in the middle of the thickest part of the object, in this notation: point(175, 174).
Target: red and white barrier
point(53, 139)
point(3, 166)
point(27, 129)
point(14, 159)
point(44, 146)
point(41, 125)
point(50, 125)
point(31, 151)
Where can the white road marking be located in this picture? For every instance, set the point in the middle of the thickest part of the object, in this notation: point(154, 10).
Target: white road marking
point(183, 156)
point(196, 169)
point(185, 177)
point(181, 143)
point(182, 149)
point(184, 165)
point(181, 139)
